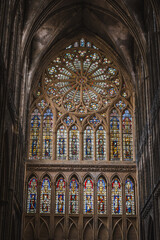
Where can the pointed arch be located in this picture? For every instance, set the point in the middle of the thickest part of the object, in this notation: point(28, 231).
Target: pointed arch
point(130, 195)
point(74, 195)
point(116, 196)
point(34, 151)
point(74, 143)
point(102, 195)
point(60, 195)
point(47, 133)
point(100, 143)
point(88, 190)
point(88, 143)
point(61, 142)
point(114, 135)
point(127, 135)
point(45, 198)
point(32, 195)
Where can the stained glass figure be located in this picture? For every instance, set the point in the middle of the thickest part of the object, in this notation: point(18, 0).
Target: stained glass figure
point(88, 143)
point(101, 196)
point(32, 195)
point(60, 195)
point(45, 199)
point(61, 143)
point(47, 133)
point(73, 143)
point(114, 135)
point(127, 136)
point(130, 198)
point(73, 196)
point(88, 196)
point(116, 196)
point(35, 135)
point(100, 143)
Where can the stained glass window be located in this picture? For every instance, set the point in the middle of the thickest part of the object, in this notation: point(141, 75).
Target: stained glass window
point(32, 195)
point(100, 143)
point(35, 134)
point(73, 143)
point(114, 135)
point(61, 143)
point(45, 199)
point(88, 196)
point(73, 196)
point(47, 133)
point(127, 135)
point(88, 143)
point(60, 195)
point(83, 92)
point(130, 199)
point(116, 196)
point(101, 196)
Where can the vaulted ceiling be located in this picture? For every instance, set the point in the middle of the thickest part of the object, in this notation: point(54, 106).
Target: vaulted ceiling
point(119, 23)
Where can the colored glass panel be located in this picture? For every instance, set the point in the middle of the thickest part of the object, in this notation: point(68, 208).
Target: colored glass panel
point(116, 196)
point(60, 195)
point(35, 135)
point(130, 198)
point(101, 196)
point(73, 143)
point(100, 143)
point(61, 143)
point(73, 196)
point(88, 196)
point(47, 134)
point(71, 89)
point(32, 195)
point(88, 143)
point(127, 136)
point(45, 199)
point(114, 136)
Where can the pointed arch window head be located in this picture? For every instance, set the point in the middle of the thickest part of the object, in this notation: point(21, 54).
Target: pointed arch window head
point(88, 196)
point(61, 143)
point(114, 135)
point(47, 133)
point(127, 136)
point(100, 143)
point(74, 196)
point(130, 196)
point(88, 143)
point(116, 196)
point(32, 195)
point(101, 196)
point(45, 199)
point(60, 196)
point(74, 143)
point(35, 135)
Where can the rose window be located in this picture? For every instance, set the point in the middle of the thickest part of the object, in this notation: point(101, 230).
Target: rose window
point(82, 79)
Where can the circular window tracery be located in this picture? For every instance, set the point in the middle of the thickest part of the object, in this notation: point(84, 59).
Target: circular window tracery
point(82, 79)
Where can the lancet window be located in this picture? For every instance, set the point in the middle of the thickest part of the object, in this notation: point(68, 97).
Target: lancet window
point(116, 196)
point(74, 143)
point(60, 195)
point(74, 196)
point(47, 134)
point(101, 195)
point(45, 198)
point(88, 196)
point(130, 196)
point(32, 195)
